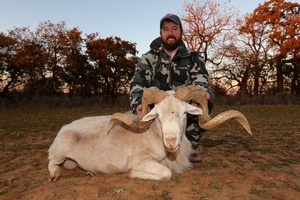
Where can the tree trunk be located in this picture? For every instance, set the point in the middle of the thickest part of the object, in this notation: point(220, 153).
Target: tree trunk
point(295, 80)
point(279, 76)
point(243, 88)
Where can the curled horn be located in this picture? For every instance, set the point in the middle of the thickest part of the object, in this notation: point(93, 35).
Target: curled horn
point(205, 122)
point(150, 96)
point(133, 125)
point(197, 94)
point(224, 116)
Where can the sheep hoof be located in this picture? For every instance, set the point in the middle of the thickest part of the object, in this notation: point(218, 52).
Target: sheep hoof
point(89, 173)
point(55, 173)
point(53, 179)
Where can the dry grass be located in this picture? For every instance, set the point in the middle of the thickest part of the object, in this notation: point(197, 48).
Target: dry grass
point(235, 165)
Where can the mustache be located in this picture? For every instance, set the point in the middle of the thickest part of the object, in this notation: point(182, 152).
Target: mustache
point(171, 37)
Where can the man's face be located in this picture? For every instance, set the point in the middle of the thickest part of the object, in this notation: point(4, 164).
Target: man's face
point(170, 34)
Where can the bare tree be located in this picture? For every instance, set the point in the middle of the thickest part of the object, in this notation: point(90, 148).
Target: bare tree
point(207, 26)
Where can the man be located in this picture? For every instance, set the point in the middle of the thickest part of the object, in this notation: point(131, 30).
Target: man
point(169, 65)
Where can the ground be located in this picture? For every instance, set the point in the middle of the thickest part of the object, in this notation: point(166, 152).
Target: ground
point(235, 165)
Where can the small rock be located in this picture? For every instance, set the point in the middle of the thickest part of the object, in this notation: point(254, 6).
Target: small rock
point(118, 190)
point(11, 178)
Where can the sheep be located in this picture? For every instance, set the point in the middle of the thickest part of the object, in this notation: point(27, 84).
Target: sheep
point(151, 148)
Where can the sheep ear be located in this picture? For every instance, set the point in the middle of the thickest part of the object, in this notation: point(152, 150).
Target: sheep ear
point(193, 110)
point(151, 115)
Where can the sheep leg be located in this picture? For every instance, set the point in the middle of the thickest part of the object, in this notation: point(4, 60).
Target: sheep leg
point(53, 166)
point(55, 171)
point(151, 169)
point(62, 146)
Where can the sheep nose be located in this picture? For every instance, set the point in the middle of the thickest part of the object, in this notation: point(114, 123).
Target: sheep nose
point(171, 141)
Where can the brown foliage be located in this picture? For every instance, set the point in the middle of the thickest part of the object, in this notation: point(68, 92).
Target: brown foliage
point(283, 21)
point(52, 60)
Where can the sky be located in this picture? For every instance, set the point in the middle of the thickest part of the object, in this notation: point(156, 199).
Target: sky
point(136, 21)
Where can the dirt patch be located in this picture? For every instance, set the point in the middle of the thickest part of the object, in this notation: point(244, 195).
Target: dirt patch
point(235, 165)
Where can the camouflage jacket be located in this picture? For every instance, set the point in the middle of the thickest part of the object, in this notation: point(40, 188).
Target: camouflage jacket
point(156, 68)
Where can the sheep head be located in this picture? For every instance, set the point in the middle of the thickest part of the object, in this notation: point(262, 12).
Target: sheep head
point(170, 115)
point(169, 112)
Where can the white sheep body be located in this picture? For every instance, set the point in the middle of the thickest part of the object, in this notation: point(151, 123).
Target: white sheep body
point(143, 155)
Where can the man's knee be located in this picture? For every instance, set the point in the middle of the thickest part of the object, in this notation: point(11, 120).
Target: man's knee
point(193, 131)
point(212, 99)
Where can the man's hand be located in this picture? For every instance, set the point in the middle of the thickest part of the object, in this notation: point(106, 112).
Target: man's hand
point(139, 111)
point(194, 103)
point(207, 96)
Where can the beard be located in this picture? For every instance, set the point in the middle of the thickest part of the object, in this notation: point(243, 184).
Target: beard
point(171, 46)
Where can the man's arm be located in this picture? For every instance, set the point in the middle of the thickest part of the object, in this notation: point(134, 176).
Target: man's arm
point(200, 77)
point(140, 81)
